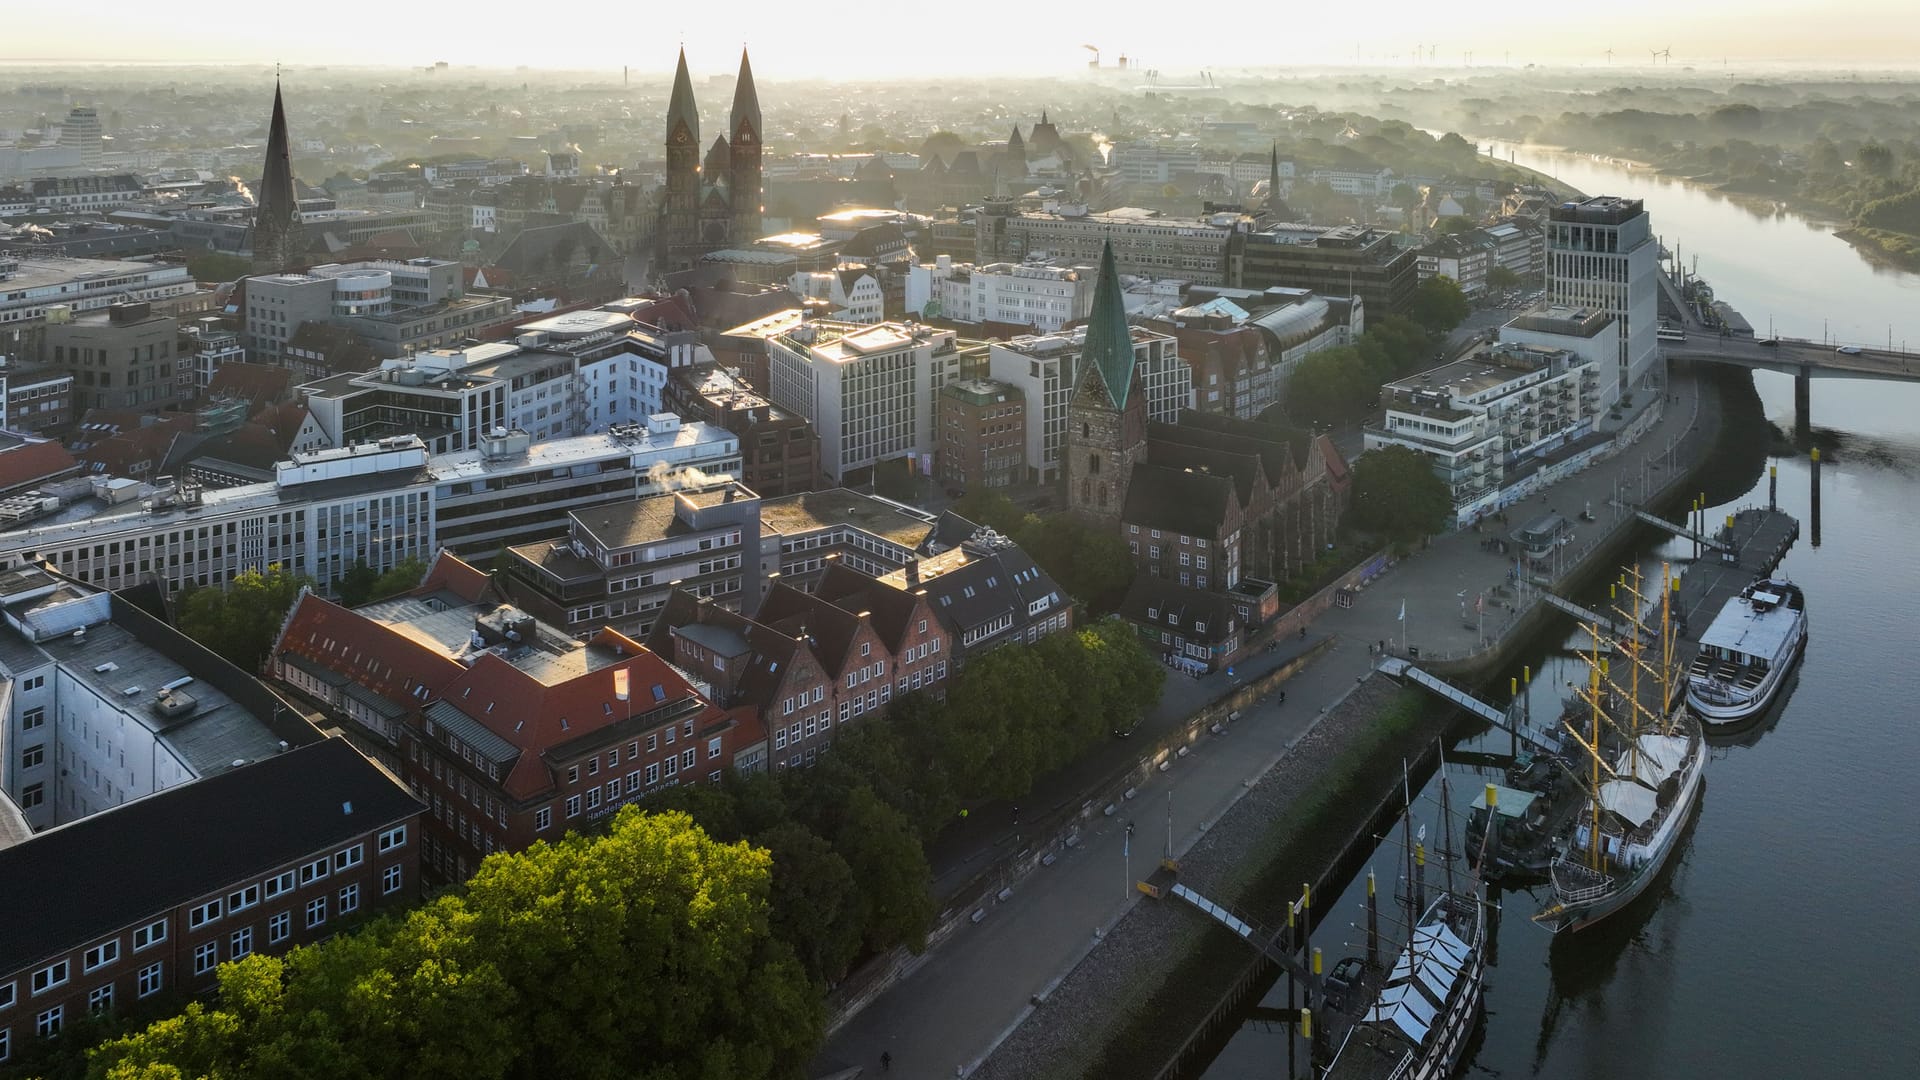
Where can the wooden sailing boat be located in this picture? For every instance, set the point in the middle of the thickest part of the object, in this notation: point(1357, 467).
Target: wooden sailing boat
point(1638, 799)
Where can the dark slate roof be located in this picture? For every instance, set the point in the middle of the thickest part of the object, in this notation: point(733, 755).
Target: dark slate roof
point(746, 100)
point(1179, 609)
point(830, 630)
point(680, 108)
point(1174, 500)
point(890, 610)
point(530, 250)
point(75, 884)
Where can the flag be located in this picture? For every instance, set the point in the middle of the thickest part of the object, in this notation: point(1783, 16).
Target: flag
point(1403, 611)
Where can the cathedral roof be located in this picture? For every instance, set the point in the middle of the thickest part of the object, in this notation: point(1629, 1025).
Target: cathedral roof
point(276, 203)
point(680, 108)
point(1108, 348)
point(1015, 142)
point(718, 158)
point(746, 100)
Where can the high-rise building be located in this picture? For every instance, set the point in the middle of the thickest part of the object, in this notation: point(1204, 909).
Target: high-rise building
point(81, 130)
point(715, 205)
point(275, 242)
point(1601, 255)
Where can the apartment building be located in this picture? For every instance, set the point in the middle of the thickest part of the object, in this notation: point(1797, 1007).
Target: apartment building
point(150, 897)
point(1602, 255)
point(981, 586)
point(983, 435)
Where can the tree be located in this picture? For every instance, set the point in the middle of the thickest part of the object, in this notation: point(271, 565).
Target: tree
point(1093, 565)
point(1397, 495)
point(1330, 386)
point(217, 266)
point(1501, 277)
point(1438, 304)
point(560, 959)
point(241, 621)
point(895, 885)
point(356, 584)
point(404, 576)
point(815, 905)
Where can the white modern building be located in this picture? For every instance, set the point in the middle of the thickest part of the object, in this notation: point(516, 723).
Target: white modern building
point(1590, 334)
point(1360, 183)
point(1489, 420)
point(1601, 254)
point(1156, 161)
point(1046, 367)
point(379, 502)
point(1045, 295)
point(81, 131)
point(868, 390)
point(30, 284)
point(277, 304)
point(853, 292)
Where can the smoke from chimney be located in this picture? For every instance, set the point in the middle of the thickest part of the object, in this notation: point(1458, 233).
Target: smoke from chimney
point(690, 478)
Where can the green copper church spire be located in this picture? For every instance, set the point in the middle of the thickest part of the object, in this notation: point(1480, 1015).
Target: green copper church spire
point(1109, 345)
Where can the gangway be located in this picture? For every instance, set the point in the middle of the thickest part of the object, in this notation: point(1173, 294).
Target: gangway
point(1502, 718)
point(1619, 628)
point(1682, 532)
point(1267, 943)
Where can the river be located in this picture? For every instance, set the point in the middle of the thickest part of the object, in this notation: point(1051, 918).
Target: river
point(1781, 940)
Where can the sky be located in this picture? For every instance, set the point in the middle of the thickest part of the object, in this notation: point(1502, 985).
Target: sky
point(867, 39)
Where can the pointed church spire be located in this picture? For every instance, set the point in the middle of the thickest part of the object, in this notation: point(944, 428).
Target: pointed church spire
point(1109, 345)
point(680, 107)
point(276, 221)
point(746, 100)
point(1014, 141)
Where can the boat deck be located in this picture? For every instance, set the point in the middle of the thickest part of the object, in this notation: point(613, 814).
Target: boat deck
point(1759, 539)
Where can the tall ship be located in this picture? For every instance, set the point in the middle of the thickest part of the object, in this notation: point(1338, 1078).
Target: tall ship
point(1747, 653)
point(1413, 1020)
point(1641, 788)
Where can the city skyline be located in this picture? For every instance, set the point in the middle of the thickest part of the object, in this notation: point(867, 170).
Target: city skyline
point(1056, 40)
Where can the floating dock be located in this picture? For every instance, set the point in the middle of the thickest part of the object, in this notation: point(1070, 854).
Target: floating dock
point(1754, 543)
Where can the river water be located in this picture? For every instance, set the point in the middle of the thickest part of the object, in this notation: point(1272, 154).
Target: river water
point(1782, 940)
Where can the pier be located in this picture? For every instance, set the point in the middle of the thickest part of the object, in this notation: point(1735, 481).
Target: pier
point(1758, 539)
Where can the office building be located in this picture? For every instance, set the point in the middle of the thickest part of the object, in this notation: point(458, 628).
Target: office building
point(1242, 345)
point(981, 586)
point(81, 131)
point(1145, 242)
point(37, 401)
point(1338, 260)
point(1602, 255)
point(350, 294)
point(126, 357)
point(1042, 295)
point(816, 530)
point(1490, 419)
point(31, 284)
point(779, 451)
point(379, 503)
point(1043, 368)
point(983, 435)
point(868, 390)
point(143, 902)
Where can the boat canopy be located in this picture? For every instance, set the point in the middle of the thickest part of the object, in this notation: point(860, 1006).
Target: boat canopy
point(1632, 802)
point(1512, 804)
point(1659, 757)
point(1421, 979)
point(1745, 629)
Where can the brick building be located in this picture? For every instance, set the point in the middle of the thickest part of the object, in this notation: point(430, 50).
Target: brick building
point(510, 730)
point(982, 434)
point(779, 450)
point(149, 897)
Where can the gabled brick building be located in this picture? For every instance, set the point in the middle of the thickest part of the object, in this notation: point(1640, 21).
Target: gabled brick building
point(510, 730)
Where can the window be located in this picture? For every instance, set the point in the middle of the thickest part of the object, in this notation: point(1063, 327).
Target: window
point(280, 927)
point(573, 806)
point(151, 934)
point(206, 957)
point(33, 718)
point(593, 765)
point(392, 838)
point(543, 818)
point(687, 759)
point(150, 979)
point(7, 995)
point(240, 943)
point(573, 774)
point(349, 899)
point(49, 977)
point(100, 1000)
point(6, 1043)
point(316, 911)
point(390, 881)
point(282, 883)
point(32, 795)
point(48, 1024)
point(593, 798)
point(100, 955)
point(32, 756)
point(349, 857)
point(243, 899)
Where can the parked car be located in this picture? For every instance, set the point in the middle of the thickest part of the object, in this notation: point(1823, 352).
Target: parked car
point(1771, 342)
point(1848, 350)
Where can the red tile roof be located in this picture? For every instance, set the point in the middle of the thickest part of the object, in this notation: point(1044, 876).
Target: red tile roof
point(260, 384)
point(457, 576)
point(390, 664)
point(32, 462)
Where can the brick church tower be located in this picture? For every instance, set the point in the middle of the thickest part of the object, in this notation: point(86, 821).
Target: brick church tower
point(1107, 413)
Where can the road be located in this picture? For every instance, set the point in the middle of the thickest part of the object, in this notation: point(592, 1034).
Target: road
point(958, 1003)
point(1790, 356)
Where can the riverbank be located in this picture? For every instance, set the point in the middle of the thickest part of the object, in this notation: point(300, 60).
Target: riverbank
point(1156, 975)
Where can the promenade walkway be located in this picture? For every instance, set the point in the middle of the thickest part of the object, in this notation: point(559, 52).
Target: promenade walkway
point(961, 999)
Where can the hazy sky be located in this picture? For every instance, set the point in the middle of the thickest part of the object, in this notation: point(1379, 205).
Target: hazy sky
point(868, 39)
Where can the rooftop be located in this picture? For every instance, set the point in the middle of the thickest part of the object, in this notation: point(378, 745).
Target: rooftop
point(73, 884)
point(840, 507)
point(654, 517)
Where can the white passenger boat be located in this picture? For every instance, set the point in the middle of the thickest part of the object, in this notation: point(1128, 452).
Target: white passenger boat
point(1746, 654)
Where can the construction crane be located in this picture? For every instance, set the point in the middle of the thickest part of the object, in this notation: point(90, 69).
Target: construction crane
point(1095, 50)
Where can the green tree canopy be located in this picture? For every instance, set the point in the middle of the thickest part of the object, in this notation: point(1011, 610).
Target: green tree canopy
point(1397, 495)
point(565, 959)
point(217, 266)
point(1438, 304)
point(1501, 277)
point(241, 621)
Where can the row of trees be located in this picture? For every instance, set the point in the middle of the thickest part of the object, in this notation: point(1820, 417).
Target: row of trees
point(648, 950)
point(241, 621)
point(848, 836)
point(1340, 384)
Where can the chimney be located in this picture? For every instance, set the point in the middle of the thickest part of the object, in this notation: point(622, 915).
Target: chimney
point(913, 571)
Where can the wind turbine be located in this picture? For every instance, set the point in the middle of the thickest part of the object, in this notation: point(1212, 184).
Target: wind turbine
point(1609, 56)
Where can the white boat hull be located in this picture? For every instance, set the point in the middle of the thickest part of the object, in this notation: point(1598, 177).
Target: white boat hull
point(1717, 708)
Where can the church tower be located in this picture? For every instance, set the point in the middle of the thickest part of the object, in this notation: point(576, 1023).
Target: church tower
point(276, 240)
point(1107, 413)
point(677, 237)
point(744, 189)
